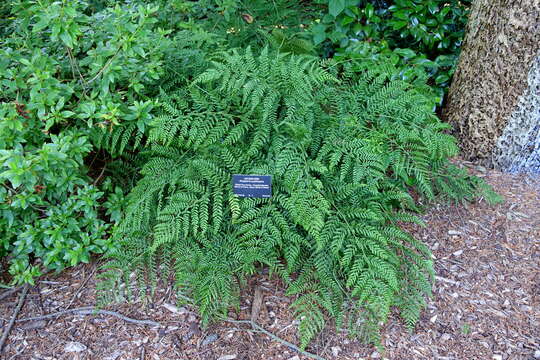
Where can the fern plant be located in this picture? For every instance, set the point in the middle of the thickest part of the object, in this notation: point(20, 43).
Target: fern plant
point(346, 145)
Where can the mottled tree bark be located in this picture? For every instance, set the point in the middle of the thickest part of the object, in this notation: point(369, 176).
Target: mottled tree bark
point(493, 102)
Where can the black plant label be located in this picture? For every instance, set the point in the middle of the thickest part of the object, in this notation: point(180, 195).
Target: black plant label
point(255, 186)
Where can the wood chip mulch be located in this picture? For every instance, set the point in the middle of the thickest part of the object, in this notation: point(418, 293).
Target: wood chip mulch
point(486, 302)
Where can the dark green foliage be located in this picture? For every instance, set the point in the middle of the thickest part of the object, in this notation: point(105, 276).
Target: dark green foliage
point(345, 143)
point(73, 84)
point(241, 23)
point(425, 33)
point(48, 207)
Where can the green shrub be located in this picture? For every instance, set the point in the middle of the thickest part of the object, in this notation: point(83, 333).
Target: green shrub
point(74, 81)
point(426, 33)
point(49, 208)
point(345, 143)
point(241, 23)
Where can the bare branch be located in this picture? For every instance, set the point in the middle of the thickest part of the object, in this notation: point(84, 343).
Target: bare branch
point(276, 338)
point(89, 310)
point(6, 332)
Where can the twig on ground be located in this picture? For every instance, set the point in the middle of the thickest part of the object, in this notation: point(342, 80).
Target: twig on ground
point(19, 352)
point(89, 310)
point(285, 328)
point(142, 353)
point(7, 330)
point(9, 292)
point(276, 338)
point(240, 329)
point(12, 291)
point(47, 282)
point(81, 287)
point(40, 300)
point(257, 303)
point(449, 281)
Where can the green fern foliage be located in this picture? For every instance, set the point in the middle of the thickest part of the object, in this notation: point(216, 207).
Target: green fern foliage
point(348, 145)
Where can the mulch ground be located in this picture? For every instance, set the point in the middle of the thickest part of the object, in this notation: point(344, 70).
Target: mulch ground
point(486, 302)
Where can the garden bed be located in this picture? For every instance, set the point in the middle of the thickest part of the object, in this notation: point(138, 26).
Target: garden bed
point(486, 302)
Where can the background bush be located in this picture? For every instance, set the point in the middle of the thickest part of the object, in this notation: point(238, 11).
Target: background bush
point(424, 33)
point(73, 87)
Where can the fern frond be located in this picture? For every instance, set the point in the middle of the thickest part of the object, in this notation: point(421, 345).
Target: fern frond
point(346, 147)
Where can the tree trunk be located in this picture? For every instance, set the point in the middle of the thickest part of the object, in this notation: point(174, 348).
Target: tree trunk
point(494, 100)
